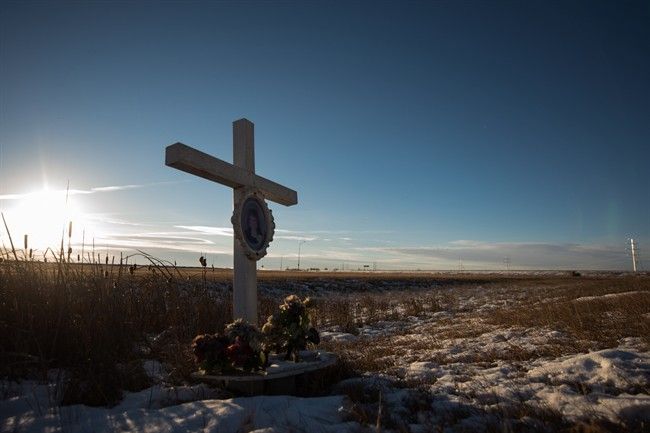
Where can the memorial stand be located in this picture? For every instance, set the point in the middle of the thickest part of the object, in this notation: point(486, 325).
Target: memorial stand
point(253, 228)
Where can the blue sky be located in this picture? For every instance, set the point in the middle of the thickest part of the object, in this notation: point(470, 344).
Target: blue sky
point(418, 135)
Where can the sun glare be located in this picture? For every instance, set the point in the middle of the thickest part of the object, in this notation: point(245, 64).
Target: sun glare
point(45, 216)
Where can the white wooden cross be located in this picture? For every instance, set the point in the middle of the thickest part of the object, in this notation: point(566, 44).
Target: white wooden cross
point(242, 178)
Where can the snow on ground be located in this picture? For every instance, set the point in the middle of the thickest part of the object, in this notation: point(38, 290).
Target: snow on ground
point(608, 296)
point(611, 382)
point(157, 410)
point(445, 366)
point(337, 336)
point(475, 369)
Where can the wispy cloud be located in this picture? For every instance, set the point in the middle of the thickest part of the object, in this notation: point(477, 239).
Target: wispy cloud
point(209, 230)
point(167, 247)
point(334, 232)
point(227, 231)
point(167, 238)
point(110, 188)
point(107, 218)
point(119, 187)
point(321, 255)
point(324, 235)
point(295, 238)
point(170, 241)
point(491, 255)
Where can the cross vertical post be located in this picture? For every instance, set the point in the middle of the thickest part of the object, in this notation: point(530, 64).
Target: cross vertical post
point(244, 295)
point(252, 220)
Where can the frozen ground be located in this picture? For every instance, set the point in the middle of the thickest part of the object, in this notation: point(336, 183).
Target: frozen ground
point(161, 409)
point(474, 357)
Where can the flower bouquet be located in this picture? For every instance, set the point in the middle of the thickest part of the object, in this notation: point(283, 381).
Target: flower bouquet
point(239, 349)
point(289, 330)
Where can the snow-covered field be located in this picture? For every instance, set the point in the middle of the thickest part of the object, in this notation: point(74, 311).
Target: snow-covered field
point(469, 356)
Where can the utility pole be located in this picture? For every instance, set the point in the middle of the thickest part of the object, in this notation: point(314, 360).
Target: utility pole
point(299, 245)
point(281, 260)
point(633, 247)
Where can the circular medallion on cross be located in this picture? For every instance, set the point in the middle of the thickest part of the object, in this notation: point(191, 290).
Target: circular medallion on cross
point(253, 225)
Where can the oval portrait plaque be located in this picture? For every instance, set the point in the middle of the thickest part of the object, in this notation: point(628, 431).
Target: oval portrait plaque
point(253, 225)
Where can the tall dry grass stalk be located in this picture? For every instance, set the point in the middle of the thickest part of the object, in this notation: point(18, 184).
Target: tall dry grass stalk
point(97, 320)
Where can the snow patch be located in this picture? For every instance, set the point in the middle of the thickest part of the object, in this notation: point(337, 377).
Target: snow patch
point(138, 412)
point(423, 372)
point(603, 371)
point(339, 337)
point(612, 382)
point(608, 296)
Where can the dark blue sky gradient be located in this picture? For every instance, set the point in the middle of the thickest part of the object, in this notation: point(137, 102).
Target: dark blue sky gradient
point(429, 122)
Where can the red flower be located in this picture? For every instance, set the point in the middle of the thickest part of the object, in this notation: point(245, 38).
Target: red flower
point(239, 352)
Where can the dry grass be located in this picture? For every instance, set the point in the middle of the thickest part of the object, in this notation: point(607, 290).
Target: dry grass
point(590, 313)
point(528, 303)
point(602, 319)
point(99, 321)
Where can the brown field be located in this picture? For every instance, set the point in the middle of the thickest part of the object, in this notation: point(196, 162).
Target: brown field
point(99, 323)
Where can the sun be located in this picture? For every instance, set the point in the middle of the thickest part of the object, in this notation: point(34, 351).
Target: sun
point(46, 217)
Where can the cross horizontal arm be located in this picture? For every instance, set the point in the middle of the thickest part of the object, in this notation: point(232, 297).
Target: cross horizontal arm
point(276, 192)
point(195, 162)
point(190, 160)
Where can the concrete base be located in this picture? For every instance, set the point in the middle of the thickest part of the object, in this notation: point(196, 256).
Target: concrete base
point(280, 378)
